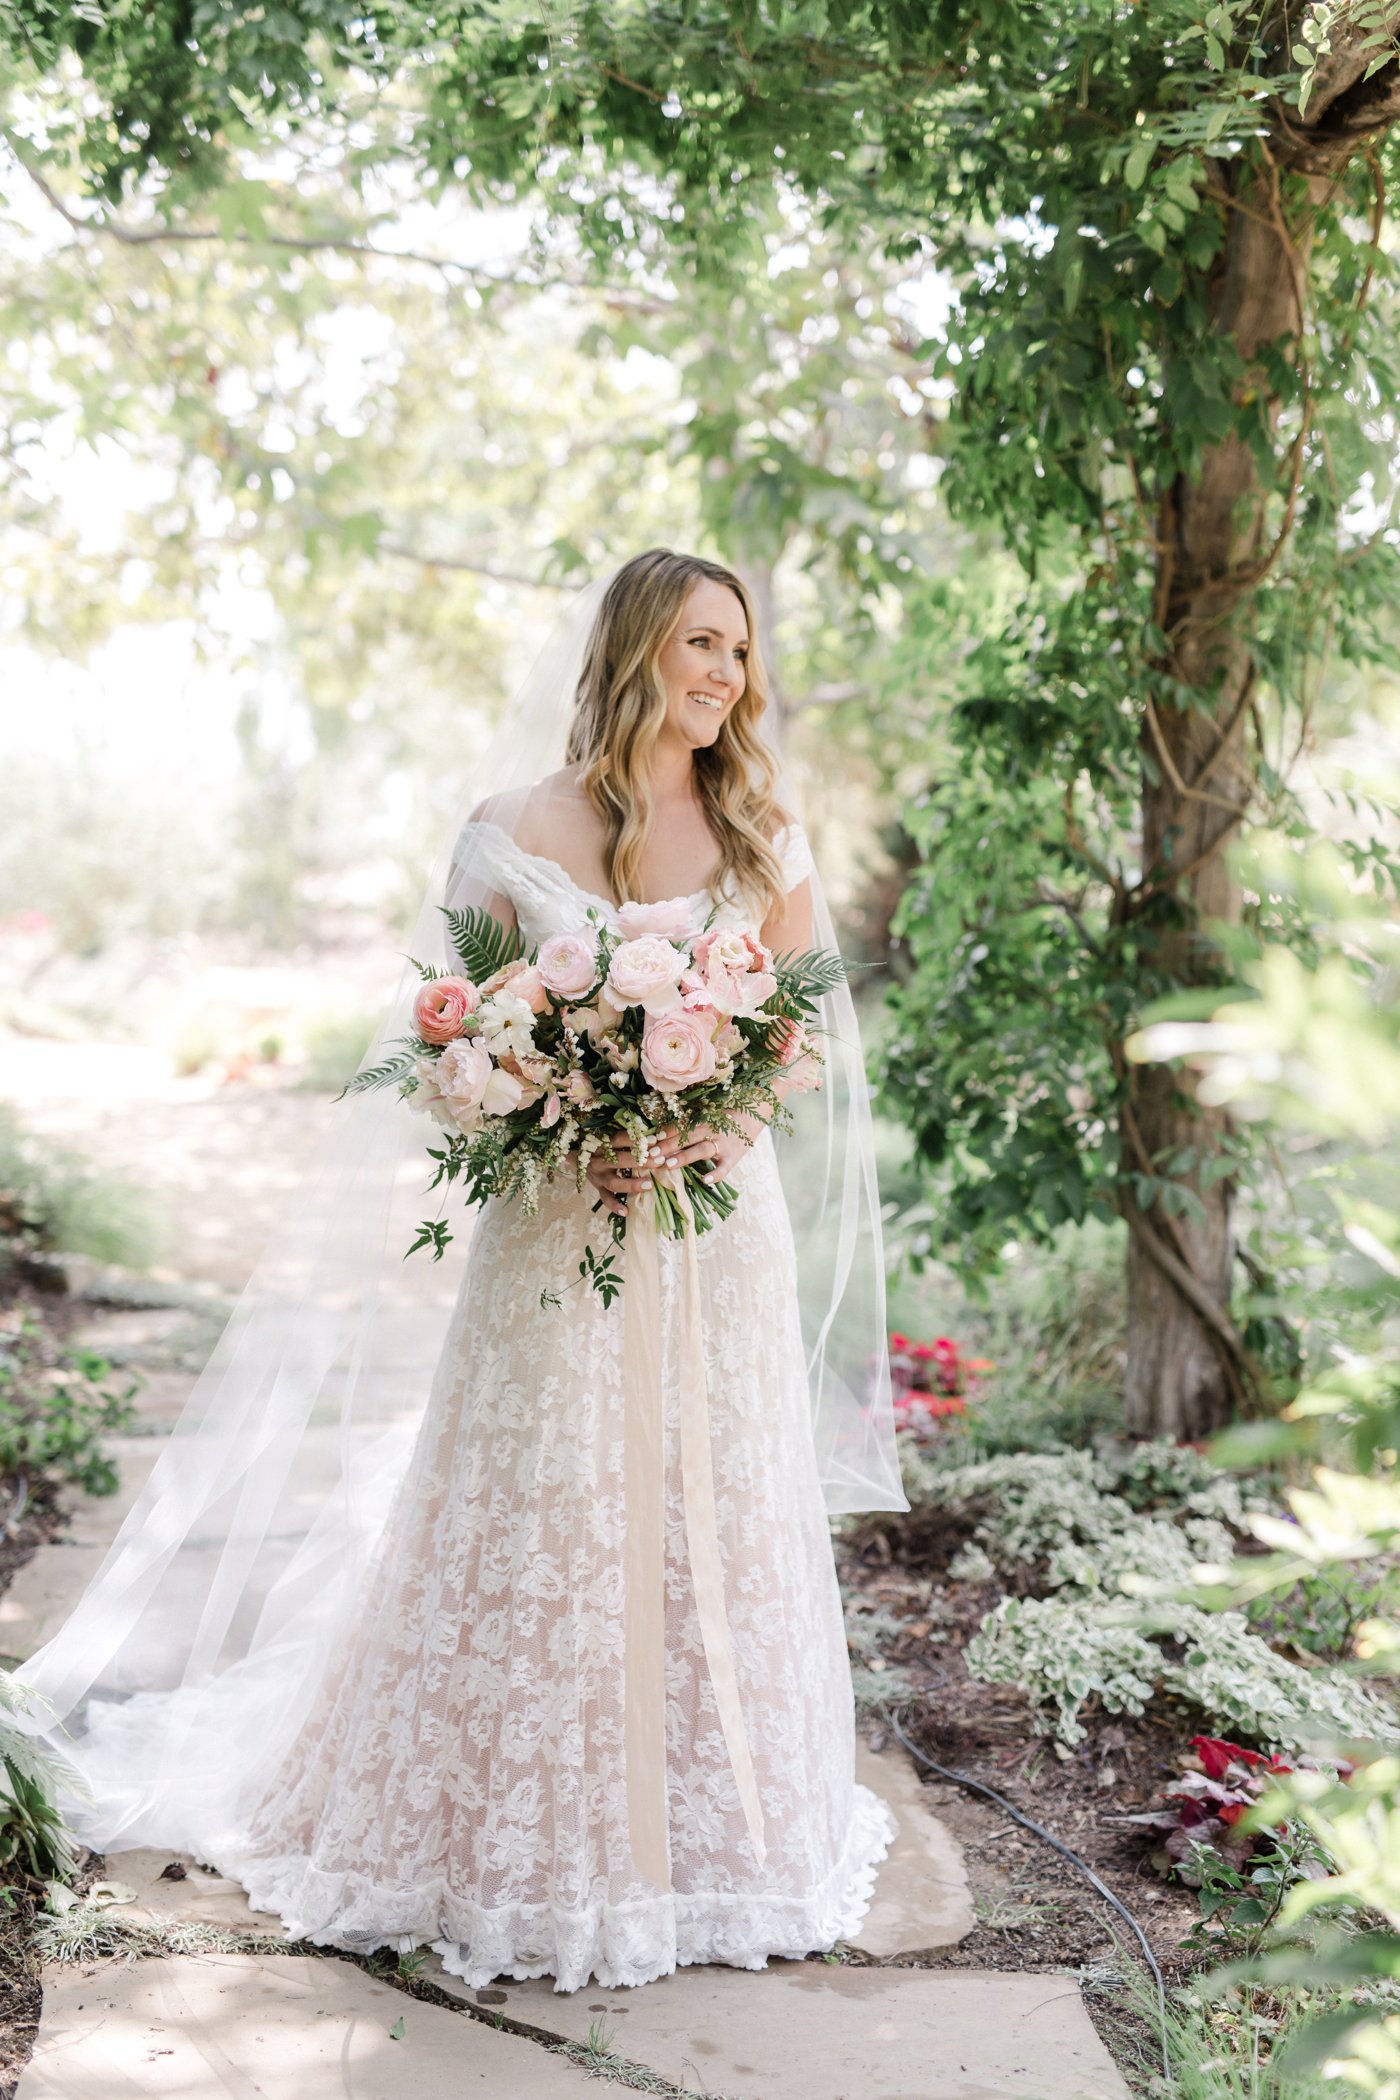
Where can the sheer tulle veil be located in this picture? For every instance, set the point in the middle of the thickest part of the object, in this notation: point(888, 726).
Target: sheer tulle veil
point(196, 1651)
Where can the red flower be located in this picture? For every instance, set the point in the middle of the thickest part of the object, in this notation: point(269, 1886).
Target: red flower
point(899, 1342)
point(1217, 1756)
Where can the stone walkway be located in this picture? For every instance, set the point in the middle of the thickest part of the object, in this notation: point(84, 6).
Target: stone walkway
point(263, 2025)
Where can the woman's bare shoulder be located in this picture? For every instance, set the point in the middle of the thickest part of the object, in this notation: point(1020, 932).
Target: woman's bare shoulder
point(529, 812)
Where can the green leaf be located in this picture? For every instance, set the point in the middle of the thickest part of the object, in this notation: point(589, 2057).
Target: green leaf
point(1138, 162)
point(389, 1073)
point(481, 944)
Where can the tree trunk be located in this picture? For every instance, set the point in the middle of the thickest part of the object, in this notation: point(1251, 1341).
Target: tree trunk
point(1186, 1365)
point(1186, 1368)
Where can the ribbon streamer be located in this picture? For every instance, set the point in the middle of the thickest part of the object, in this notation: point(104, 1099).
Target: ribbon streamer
point(644, 1559)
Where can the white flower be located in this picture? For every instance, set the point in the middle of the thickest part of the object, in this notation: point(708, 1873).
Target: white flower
point(507, 1024)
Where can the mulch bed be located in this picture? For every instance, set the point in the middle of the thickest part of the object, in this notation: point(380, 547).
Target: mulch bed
point(992, 1734)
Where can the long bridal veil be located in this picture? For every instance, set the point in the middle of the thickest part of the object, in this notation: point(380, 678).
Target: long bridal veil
point(194, 1656)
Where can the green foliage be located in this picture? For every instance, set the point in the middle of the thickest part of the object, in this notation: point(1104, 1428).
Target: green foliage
point(1104, 1533)
point(1318, 1049)
point(34, 1840)
point(55, 1408)
point(481, 943)
point(57, 1201)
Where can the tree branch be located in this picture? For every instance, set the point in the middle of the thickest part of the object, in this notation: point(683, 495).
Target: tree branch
point(473, 568)
point(161, 236)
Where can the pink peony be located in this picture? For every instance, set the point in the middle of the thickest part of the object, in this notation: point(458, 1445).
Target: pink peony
point(442, 1006)
point(568, 965)
point(464, 1071)
point(528, 1090)
point(677, 1051)
point(646, 973)
point(503, 1093)
point(803, 1076)
point(736, 969)
point(671, 919)
point(428, 1096)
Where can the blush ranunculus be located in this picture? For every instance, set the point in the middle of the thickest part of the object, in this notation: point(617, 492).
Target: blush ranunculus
point(568, 964)
point(669, 919)
point(646, 973)
point(677, 1051)
point(442, 1006)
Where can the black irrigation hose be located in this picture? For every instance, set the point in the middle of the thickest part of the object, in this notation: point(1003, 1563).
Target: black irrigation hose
point(977, 1786)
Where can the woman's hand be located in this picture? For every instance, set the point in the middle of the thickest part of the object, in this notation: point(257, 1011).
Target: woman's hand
point(616, 1181)
point(725, 1148)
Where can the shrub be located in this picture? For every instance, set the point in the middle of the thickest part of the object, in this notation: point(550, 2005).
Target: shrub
point(52, 1199)
point(1104, 1531)
point(55, 1406)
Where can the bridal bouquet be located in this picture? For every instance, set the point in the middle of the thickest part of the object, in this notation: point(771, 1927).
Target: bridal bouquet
point(533, 1062)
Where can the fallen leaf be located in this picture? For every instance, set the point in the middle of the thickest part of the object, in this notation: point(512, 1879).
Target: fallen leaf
point(396, 2031)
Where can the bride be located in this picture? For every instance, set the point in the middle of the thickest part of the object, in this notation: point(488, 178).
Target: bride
point(467, 1718)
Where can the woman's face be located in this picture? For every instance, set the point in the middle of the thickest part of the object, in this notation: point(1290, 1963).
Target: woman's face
point(703, 665)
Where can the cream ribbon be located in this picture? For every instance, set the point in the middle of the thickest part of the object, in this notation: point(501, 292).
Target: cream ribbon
point(645, 1558)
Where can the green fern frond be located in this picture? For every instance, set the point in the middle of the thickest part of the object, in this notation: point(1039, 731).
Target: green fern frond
point(481, 944)
point(803, 978)
point(389, 1073)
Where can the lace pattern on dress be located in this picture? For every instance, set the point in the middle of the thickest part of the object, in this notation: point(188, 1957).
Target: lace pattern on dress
point(461, 1781)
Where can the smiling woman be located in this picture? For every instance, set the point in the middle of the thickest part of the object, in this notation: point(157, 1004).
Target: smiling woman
point(544, 1664)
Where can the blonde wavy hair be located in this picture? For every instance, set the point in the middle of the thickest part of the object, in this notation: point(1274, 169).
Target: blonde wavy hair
point(618, 712)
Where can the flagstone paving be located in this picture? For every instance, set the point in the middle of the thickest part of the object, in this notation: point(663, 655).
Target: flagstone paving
point(284, 2027)
point(817, 2031)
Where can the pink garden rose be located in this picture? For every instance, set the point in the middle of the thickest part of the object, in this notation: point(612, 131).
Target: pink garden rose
point(677, 1051)
point(442, 1007)
point(671, 919)
point(646, 973)
point(736, 969)
point(568, 964)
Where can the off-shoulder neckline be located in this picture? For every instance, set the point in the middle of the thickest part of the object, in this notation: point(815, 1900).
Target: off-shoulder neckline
point(543, 860)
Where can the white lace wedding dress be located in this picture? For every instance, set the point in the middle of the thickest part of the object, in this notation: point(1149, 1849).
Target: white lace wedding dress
point(461, 1781)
